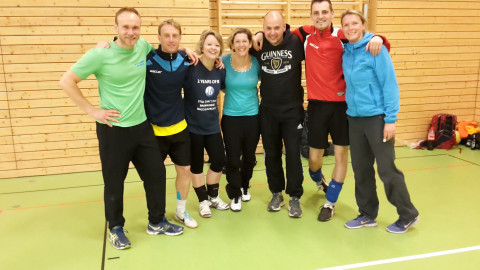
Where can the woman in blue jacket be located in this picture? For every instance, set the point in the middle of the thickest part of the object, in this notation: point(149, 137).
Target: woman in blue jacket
point(372, 98)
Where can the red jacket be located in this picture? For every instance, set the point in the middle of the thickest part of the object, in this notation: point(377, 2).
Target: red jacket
point(323, 62)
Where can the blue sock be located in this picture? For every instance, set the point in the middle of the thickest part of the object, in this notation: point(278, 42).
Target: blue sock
point(333, 191)
point(316, 176)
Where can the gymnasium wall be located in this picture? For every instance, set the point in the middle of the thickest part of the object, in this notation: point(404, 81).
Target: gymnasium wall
point(436, 53)
point(42, 132)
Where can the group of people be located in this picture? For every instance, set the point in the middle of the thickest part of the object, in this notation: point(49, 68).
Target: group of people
point(143, 118)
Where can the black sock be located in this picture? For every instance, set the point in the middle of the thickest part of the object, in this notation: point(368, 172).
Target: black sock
point(212, 190)
point(201, 193)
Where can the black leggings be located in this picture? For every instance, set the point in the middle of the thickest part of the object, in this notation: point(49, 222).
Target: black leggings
point(214, 145)
point(241, 135)
point(120, 145)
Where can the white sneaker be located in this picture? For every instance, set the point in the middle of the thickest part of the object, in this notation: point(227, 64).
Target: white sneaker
point(218, 203)
point(236, 205)
point(205, 209)
point(186, 219)
point(246, 195)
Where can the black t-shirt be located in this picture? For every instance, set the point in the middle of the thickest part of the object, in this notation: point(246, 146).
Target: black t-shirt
point(200, 95)
point(281, 72)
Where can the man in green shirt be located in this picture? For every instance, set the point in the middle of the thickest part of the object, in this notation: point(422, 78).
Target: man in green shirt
point(123, 133)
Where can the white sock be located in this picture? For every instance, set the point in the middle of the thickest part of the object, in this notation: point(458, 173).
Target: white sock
point(181, 205)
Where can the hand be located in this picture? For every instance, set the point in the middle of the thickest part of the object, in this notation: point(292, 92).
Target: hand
point(192, 55)
point(388, 132)
point(375, 45)
point(103, 44)
point(105, 116)
point(219, 63)
point(257, 41)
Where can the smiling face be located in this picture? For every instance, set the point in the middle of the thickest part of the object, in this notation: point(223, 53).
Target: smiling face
point(273, 27)
point(169, 38)
point(128, 29)
point(211, 47)
point(321, 15)
point(241, 44)
point(353, 28)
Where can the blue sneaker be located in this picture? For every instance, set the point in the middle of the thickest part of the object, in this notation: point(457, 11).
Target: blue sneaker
point(118, 238)
point(402, 226)
point(361, 221)
point(164, 227)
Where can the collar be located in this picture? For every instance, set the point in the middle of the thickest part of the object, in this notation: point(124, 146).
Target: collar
point(327, 32)
point(166, 56)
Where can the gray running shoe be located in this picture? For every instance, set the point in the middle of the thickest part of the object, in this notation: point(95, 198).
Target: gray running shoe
point(294, 209)
point(276, 203)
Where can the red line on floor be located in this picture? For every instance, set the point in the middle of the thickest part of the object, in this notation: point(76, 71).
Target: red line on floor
point(174, 193)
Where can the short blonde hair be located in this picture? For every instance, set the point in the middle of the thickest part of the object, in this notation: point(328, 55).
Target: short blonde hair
point(354, 12)
point(204, 36)
point(235, 33)
point(171, 22)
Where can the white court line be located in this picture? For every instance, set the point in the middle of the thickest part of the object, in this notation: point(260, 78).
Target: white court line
point(402, 259)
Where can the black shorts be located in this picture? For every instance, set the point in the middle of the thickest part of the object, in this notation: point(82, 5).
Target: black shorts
point(327, 118)
point(213, 144)
point(177, 146)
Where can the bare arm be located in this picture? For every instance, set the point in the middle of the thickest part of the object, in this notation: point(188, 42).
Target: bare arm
point(257, 41)
point(69, 83)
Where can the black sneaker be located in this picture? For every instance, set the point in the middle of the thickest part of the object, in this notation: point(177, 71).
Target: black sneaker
point(326, 213)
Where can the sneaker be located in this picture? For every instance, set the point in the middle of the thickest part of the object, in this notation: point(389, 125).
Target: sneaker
point(218, 203)
point(236, 205)
point(205, 209)
point(402, 226)
point(294, 209)
point(326, 213)
point(186, 219)
point(276, 203)
point(361, 221)
point(118, 238)
point(322, 185)
point(245, 195)
point(164, 227)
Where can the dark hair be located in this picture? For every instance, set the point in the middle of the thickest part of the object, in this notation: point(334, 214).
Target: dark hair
point(320, 1)
point(235, 33)
point(126, 9)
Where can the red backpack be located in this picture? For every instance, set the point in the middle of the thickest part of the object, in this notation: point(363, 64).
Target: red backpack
point(443, 127)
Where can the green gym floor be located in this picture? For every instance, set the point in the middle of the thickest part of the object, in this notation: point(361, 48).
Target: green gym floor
point(57, 222)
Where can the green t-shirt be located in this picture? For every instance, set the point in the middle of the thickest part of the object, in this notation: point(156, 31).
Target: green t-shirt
point(121, 79)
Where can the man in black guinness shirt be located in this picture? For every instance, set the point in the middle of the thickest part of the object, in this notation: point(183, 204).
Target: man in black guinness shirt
point(281, 110)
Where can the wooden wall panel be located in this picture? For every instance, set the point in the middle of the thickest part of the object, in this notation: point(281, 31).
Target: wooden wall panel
point(435, 50)
point(41, 131)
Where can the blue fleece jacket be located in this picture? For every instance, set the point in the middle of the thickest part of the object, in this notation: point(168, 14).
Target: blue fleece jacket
point(372, 87)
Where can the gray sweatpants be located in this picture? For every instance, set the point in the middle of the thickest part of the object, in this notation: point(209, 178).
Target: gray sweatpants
point(366, 147)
